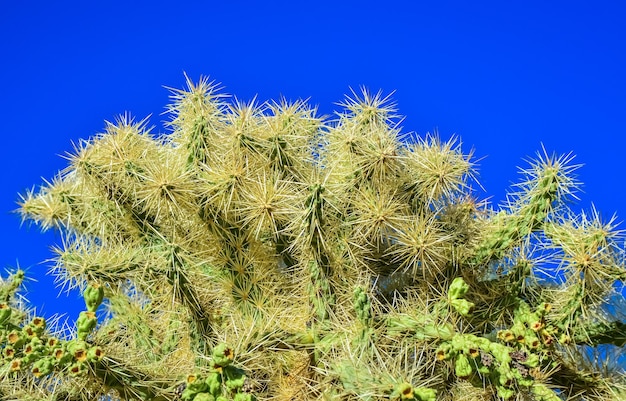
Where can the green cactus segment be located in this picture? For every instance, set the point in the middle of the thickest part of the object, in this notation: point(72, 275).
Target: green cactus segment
point(195, 384)
point(93, 295)
point(462, 367)
point(462, 306)
point(421, 327)
point(425, 394)
point(312, 223)
point(199, 397)
point(543, 393)
point(362, 306)
point(363, 309)
point(214, 383)
point(458, 288)
point(234, 380)
point(354, 379)
point(602, 333)
point(548, 183)
point(456, 292)
point(321, 295)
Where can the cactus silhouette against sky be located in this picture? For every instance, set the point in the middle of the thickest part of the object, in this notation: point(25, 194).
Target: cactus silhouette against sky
point(263, 252)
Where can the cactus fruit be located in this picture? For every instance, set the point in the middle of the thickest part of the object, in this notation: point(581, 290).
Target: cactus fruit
point(223, 355)
point(77, 369)
point(93, 296)
point(336, 259)
point(43, 367)
point(85, 323)
point(95, 354)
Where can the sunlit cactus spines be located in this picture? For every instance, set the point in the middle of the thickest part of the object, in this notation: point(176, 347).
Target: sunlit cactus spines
point(262, 252)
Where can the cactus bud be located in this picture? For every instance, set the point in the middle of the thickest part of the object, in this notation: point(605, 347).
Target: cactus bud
point(462, 306)
point(506, 336)
point(8, 352)
point(93, 295)
point(195, 385)
point(536, 325)
point(533, 342)
point(61, 355)
point(15, 365)
point(38, 324)
point(29, 332)
point(42, 367)
point(425, 394)
point(548, 340)
point(223, 355)
point(77, 368)
point(52, 343)
point(78, 350)
point(404, 391)
point(85, 323)
point(32, 350)
point(95, 354)
point(80, 355)
point(16, 338)
point(444, 351)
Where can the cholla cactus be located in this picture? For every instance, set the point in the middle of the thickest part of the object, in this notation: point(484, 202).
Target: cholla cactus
point(261, 252)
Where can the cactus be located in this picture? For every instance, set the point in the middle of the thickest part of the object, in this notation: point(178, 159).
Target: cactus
point(260, 252)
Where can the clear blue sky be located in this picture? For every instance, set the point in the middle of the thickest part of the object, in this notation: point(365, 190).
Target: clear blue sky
point(505, 76)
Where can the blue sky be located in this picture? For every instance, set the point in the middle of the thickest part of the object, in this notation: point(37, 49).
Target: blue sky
point(505, 76)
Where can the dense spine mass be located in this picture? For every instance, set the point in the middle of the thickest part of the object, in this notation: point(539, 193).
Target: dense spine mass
point(261, 252)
